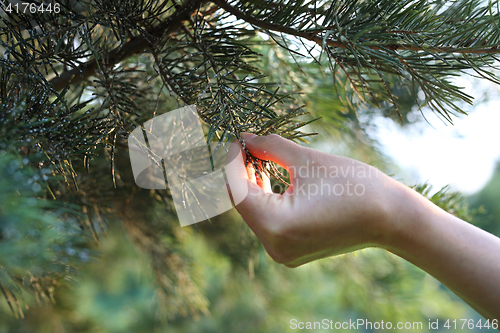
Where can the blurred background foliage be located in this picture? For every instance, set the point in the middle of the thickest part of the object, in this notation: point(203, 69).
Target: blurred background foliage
point(82, 249)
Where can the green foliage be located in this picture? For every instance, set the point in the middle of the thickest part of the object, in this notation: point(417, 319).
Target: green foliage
point(487, 200)
point(115, 293)
point(39, 239)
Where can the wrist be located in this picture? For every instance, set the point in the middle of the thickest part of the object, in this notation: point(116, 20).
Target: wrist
point(406, 213)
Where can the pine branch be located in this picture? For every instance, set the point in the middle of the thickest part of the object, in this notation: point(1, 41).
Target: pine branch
point(134, 46)
point(313, 35)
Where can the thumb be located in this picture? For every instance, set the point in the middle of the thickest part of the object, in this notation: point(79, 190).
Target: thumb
point(275, 148)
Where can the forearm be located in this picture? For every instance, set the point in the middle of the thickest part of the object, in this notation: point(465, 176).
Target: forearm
point(463, 257)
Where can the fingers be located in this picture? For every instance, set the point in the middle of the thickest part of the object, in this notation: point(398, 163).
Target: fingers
point(241, 182)
point(275, 148)
point(251, 173)
point(261, 179)
point(250, 195)
point(264, 183)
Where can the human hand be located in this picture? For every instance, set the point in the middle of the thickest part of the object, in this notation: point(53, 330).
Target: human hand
point(337, 205)
point(334, 204)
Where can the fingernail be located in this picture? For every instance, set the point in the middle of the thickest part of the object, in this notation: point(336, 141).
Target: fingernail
point(247, 136)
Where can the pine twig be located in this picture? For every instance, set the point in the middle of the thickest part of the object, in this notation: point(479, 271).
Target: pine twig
point(312, 35)
point(134, 46)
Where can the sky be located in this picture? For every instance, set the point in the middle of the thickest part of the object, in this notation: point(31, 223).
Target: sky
point(462, 155)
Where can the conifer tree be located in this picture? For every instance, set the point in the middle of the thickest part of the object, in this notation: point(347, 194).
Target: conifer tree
point(77, 76)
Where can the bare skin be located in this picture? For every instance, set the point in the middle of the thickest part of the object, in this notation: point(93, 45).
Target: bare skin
point(337, 205)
